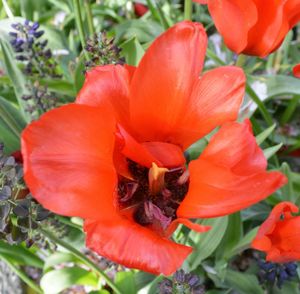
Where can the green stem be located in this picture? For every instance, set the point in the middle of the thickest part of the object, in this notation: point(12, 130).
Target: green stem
point(162, 17)
point(89, 16)
point(290, 110)
point(261, 106)
point(79, 24)
point(22, 275)
point(188, 8)
point(241, 60)
point(83, 258)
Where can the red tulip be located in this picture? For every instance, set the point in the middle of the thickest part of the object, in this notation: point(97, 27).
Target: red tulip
point(140, 9)
point(296, 71)
point(254, 27)
point(279, 235)
point(115, 158)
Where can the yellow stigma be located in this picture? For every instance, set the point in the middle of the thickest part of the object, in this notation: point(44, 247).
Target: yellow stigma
point(156, 178)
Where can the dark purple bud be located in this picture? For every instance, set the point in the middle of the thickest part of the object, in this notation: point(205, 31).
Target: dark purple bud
point(44, 43)
point(21, 57)
point(19, 42)
point(13, 42)
point(26, 22)
point(48, 53)
point(38, 34)
point(15, 26)
point(30, 40)
point(13, 34)
point(18, 49)
point(35, 26)
point(271, 276)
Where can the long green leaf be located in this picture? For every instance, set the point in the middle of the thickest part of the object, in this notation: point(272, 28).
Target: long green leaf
point(56, 281)
point(243, 283)
point(20, 255)
point(16, 77)
point(206, 243)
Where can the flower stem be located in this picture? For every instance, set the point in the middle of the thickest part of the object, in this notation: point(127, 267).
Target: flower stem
point(79, 24)
point(89, 16)
point(22, 275)
point(241, 60)
point(83, 258)
point(188, 8)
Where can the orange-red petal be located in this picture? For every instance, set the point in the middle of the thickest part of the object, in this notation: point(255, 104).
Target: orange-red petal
point(229, 175)
point(186, 222)
point(68, 160)
point(108, 86)
point(296, 71)
point(216, 99)
point(278, 236)
point(134, 246)
point(234, 19)
point(164, 79)
point(163, 154)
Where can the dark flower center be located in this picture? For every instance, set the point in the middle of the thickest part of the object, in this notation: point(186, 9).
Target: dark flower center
point(149, 206)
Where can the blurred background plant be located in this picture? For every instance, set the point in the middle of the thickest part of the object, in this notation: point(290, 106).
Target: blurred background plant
point(46, 46)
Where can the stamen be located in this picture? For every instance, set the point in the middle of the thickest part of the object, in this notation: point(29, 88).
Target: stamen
point(153, 212)
point(130, 190)
point(156, 178)
point(184, 178)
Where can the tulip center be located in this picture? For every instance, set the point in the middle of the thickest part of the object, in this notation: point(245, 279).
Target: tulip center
point(153, 195)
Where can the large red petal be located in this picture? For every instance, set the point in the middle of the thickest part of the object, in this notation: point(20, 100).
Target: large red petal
point(134, 246)
point(108, 85)
point(164, 79)
point(229, 175)
point(270, 29)
point(68, 160)
point(216, 99)
point(163, 154)
point(234, 19)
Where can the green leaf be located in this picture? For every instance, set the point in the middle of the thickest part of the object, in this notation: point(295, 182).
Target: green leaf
point(20, 255)
point(243, 283)
point(269, 152)
point(206, 243)
point(55, 281)
point(260, 138)
point(78, 73)
point(59, 86)
point(288, 189)
point(58, 258)
point(232, 235)
point(281, 85)
point(144, 31)
point(132, 51)
point(244, 243)
point(16, 76)
point(196, 149)
point(11, 126)
point(126, 282)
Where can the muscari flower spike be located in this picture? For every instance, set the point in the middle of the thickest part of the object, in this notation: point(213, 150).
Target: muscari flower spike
point(271, 273)
point(181, 283)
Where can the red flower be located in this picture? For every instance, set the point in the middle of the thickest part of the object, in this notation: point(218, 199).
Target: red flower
point(296, 71)
point(254, 27)
point(140, 9)
point(279, 235)
point(115, 158)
